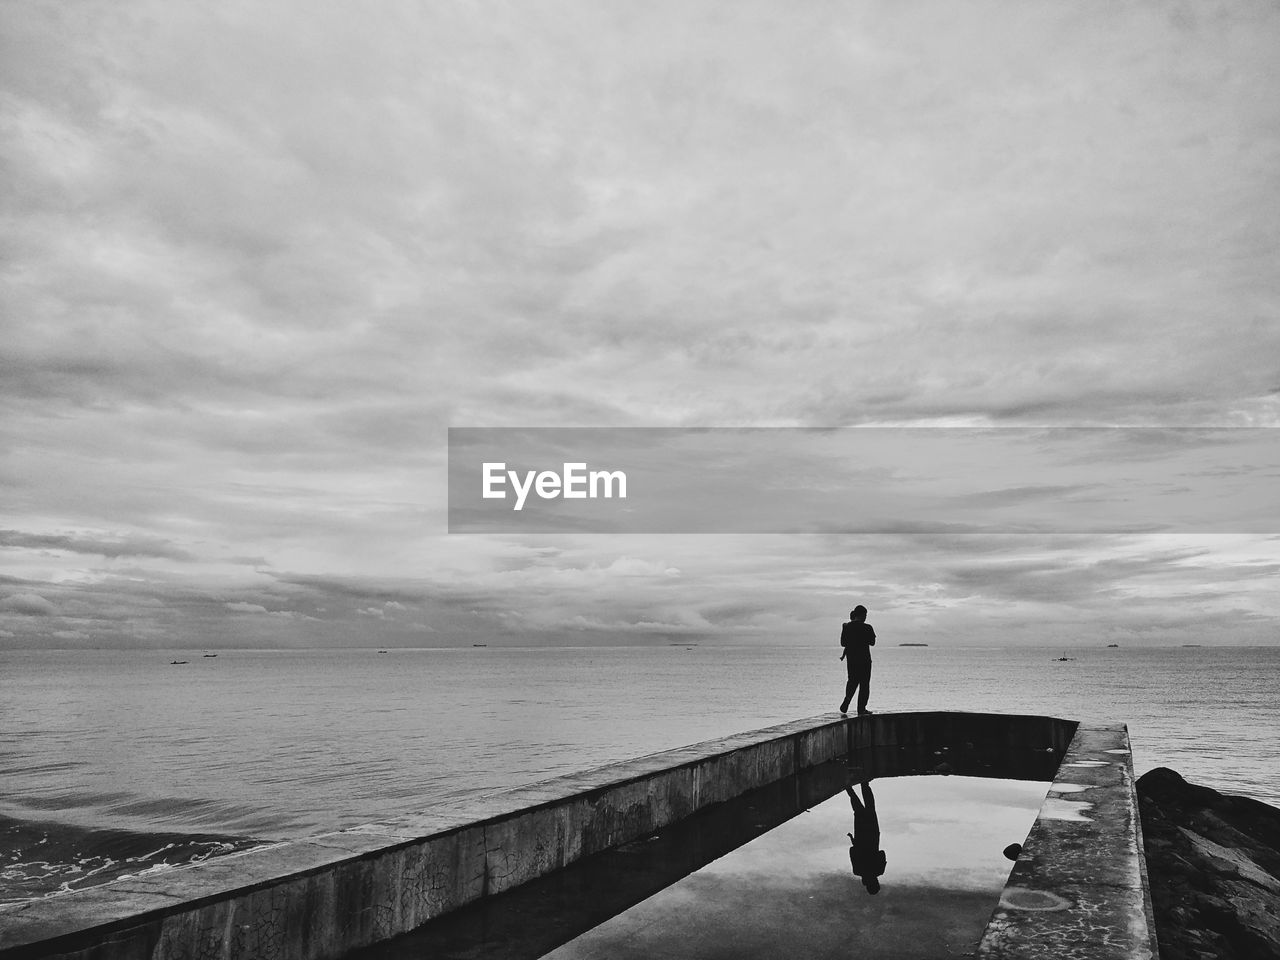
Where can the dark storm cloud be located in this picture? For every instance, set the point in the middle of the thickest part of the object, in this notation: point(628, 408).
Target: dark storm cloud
point(27, 605)
point(111, 548)
point(359, 589)
point(1023, 494)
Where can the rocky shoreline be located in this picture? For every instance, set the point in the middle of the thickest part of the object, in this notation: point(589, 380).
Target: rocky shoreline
point(1213, 861)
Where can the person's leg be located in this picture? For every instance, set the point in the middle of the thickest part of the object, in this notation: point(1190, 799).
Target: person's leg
point(864, 683)
point(850, 686)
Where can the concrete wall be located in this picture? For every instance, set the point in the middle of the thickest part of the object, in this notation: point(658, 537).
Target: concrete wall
point(1079, 889)
point(330, 894)
point(327, 895)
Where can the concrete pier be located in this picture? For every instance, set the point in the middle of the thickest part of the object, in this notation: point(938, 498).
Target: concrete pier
point(330, 895)
point(1079, 889)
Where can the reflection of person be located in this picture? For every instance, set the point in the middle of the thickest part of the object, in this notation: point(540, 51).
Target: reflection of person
point(857, 637)
point(865, 856)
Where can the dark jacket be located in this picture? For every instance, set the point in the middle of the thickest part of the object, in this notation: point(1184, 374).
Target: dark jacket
point(857, 638)
point(866, 860)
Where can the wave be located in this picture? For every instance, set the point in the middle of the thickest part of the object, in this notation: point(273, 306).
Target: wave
point(40, 859)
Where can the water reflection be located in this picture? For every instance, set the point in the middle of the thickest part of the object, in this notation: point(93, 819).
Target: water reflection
point(539, 916)
point(768, 875)
point(790, 891)
point(865, 856)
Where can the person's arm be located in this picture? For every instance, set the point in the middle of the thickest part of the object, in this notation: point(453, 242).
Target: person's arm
point(871, 633)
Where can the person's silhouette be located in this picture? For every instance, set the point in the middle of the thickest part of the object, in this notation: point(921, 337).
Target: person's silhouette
point(865, 856)
point(857, 637)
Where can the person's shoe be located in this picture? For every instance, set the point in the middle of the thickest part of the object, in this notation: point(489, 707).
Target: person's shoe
point(844, 713)
point(865, 713)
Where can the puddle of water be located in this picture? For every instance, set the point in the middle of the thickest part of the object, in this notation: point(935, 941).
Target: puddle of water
point(792, 891)
point(769, 874)
point(1056, 808)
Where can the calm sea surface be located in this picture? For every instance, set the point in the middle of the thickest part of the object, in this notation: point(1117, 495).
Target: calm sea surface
point(282, 744)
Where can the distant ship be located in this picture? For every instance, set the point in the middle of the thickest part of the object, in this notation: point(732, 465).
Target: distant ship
point(913, 644)
point(208, 655)
point(479, 644)
point(1113, 644)
point(1062, 659)
point(176, 662)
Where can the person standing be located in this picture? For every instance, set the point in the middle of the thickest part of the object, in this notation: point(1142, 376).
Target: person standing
point(857, 637)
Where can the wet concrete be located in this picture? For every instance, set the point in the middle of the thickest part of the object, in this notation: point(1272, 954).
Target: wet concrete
point(1079, 888)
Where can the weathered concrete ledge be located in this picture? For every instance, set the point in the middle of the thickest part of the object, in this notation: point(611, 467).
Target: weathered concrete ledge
point(329, 895)
point(1079, 888)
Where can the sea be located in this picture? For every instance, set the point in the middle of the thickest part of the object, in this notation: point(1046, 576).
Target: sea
point(117, 763)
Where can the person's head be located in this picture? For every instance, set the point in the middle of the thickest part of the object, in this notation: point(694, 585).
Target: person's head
point(858, 613)
point(872, 884)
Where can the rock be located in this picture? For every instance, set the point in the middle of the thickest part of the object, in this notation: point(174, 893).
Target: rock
point(1213, 861)
point(1013, 851)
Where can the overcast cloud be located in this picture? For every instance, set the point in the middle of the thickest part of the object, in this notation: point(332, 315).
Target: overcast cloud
point(257, 258)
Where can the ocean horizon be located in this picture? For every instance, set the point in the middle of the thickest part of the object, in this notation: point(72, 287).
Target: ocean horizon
point(256, 746)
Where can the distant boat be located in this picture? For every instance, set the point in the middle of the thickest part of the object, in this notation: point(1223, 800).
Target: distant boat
point(479, 644)
point(1113, 644)
point(1062, 659)
point(382, 651)
point(913, 644)
point(208, 655)
point(175, 662)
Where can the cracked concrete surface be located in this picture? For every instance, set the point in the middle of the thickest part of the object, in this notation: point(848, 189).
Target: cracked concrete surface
point(1078, 888)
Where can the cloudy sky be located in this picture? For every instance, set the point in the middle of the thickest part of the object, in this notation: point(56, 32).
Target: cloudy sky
point(258, 258)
